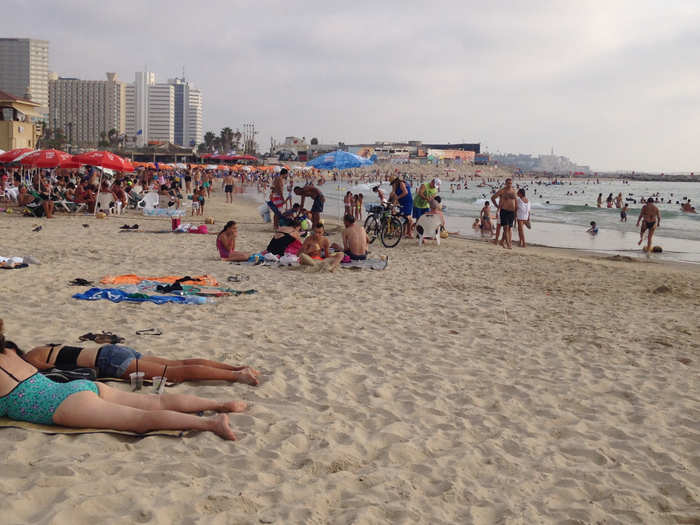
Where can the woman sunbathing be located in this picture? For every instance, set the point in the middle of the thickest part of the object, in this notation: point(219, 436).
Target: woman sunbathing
point(119, 361)
point(26, 395)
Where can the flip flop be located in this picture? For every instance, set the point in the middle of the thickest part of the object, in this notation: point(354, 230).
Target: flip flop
point(103, 338)
point(149, 331)
point(125, 227)
point(237, 278)
point(135, 227)
point(80, 282)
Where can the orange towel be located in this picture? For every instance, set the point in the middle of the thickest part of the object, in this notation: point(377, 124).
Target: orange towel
point(202, 280)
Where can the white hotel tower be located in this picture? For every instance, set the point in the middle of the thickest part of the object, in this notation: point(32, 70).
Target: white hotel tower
point(169, 112)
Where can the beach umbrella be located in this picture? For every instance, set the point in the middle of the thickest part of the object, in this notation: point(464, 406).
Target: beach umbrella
point(46, 158)
point(339, 160)
point(103, 159)
point(15, 154)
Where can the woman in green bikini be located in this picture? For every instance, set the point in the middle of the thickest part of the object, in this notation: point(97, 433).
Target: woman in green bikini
point(26, 395)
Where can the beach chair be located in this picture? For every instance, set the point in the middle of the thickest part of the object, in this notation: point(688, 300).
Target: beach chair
point(280, 218)
point(105, 202)
point(150, 201)
point(428, 227)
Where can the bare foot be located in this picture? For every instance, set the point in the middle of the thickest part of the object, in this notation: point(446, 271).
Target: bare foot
point(246, 376)
point(221, 428)
point(234, 406)
point(640, 241)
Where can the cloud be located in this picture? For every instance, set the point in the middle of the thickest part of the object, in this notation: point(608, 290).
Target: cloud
point(609, 84)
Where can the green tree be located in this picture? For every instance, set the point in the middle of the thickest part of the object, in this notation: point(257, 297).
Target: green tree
point(209, 141)
point(226, 138)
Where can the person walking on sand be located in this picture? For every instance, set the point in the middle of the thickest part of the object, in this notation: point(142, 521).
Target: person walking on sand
point(651, 220)
point(507, 204)
point(523, 216)
point(228, 187)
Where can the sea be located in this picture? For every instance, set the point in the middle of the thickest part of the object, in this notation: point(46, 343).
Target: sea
point(561, 213)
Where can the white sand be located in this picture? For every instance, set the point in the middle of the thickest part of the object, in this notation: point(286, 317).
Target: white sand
point(464, 384)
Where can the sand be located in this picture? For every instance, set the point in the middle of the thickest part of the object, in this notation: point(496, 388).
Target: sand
point(464, 384)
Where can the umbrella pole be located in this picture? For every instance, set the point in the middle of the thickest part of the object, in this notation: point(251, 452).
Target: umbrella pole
point(97, 196)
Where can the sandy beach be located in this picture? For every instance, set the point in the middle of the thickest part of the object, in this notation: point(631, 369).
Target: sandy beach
point(463, 384)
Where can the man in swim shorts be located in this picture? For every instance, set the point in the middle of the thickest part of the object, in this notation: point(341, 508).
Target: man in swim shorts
point(651, 216)
point(228, 187)
point(318, 200)
point(507, 205)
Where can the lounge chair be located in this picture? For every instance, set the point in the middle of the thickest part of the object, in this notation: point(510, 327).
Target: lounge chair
point(428, 227)
point(150, 201)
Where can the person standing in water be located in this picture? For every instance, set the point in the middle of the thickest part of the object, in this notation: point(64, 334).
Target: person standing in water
point(651, 217)
point(507, 206)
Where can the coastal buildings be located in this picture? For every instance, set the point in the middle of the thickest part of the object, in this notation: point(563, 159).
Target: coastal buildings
point(24, 70)
point(87, 110)
point(20, 122)
point(161, 113)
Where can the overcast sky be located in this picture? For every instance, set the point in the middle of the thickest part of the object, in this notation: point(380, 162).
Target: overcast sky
point(612, 84)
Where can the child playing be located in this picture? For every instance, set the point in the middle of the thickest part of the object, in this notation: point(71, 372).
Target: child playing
point(347, 200)
point(593, 230)
point(623, 213)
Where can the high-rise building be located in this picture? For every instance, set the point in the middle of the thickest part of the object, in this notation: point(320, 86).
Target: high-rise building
point(169, 112)
point(161, 109)
point(188, 113)
point(24, 70)
point(85, 109)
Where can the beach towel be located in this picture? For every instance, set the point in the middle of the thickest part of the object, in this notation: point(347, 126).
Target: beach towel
point(54, 429)
point(200, 280)
point(117, 296)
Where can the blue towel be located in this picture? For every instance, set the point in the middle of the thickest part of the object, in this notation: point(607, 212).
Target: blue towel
point(117, 296)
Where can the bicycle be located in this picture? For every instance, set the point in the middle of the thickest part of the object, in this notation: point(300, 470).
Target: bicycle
point(383, 223)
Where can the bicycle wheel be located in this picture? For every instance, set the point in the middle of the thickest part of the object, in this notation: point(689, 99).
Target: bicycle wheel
point(372, 228)
point(391, 232)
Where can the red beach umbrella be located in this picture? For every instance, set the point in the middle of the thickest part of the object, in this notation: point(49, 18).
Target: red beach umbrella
point(14, 155)
point(46, 158)
point(104, 159)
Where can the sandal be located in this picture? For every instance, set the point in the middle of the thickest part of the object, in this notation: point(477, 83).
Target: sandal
point(149, 331)
point(103, 338)
point(237, 278)
point(80, 282)
point(125, 227)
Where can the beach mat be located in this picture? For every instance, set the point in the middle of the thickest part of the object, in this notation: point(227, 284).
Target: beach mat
point(51, 429)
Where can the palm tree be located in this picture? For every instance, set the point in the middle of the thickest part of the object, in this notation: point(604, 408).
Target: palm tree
point(226, 139)
point(113, 137)
point(103, 143)
point(209, 141)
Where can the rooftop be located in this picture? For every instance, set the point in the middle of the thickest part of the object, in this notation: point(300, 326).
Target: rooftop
point(6, 97)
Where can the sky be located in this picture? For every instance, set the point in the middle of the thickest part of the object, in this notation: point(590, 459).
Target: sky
point(611, 84)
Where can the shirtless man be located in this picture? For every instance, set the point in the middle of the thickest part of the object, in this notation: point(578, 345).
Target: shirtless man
point(652, 220)
point(319, 200)
point(228, 186)
point(354, 239)
point(316, 250)
point(507, 204)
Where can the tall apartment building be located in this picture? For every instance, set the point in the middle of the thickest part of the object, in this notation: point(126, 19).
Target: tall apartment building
point(188, 113)
point(161, 110)
point(169, 112)
point(24, 70)
point(84, 109)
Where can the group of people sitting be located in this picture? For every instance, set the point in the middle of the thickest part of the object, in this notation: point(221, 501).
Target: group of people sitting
point(28, 395)
point(311, 248)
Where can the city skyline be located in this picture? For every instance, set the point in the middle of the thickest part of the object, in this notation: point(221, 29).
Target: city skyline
point(609, 85)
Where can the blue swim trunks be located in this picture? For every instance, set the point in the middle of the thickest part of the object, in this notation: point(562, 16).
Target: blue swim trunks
point(113, 360)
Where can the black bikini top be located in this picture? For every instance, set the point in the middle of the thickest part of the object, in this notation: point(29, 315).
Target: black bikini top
point(67, 357)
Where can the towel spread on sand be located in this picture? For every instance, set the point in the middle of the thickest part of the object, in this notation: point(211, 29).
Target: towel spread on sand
point(117, 296)
point(55, 429)
point(187, 289)
point(197, 280)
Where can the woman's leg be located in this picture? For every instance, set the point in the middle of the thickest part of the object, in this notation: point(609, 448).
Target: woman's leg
point(195, 361)
point(176, 402)
point(86, 410)
point(238, 256)
point(179, 373)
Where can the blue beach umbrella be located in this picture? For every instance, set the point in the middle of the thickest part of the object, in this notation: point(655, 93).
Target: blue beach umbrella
point(339, 160)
